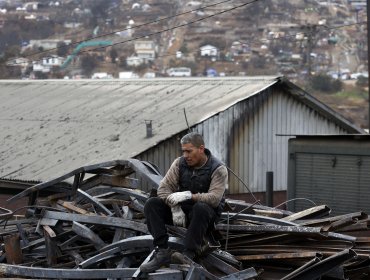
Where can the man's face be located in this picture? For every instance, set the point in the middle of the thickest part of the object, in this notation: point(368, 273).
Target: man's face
point(194, 156)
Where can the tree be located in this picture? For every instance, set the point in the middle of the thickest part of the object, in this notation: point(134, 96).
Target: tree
point(62, 48)
point(258, 61)
point(122, 62)
point(12, 52)
point(113, 55)
point(325, 83)
point(184, 49)
point(88, 64)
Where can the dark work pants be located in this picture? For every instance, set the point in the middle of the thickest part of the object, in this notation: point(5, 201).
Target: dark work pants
point(200, 216)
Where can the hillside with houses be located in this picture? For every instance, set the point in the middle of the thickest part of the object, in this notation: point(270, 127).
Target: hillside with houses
point(75, 39)
point(233, 38)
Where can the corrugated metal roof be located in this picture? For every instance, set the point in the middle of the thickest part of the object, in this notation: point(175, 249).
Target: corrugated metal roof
point(51, 127)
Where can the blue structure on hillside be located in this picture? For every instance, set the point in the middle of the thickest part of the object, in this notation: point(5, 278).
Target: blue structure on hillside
point(84, 45)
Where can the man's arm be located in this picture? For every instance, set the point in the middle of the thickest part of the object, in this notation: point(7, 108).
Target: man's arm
point(216, 189)
point(169, 184)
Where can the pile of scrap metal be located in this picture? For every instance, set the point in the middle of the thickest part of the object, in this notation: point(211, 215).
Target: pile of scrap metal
point(95, 229)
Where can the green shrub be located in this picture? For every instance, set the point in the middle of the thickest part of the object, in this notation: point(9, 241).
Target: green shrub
point(362, 81)
point(325, 83)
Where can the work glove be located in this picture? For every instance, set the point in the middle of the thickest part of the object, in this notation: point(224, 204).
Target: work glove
point(178, 216)
point(177, 197)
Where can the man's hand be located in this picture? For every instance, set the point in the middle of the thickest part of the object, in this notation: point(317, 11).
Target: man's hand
point(178, 216)
point(174, 198)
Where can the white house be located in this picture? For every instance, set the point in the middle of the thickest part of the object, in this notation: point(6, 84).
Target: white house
point(145, 49)
point(101, 75)
point(127, 75)
point(31, 6)
point(47, 63)
point(208, 50)
point(47, 44)
point(53, 61)
point(134, 60)
point(30, 17)
point(19, 61)
point(38, 67)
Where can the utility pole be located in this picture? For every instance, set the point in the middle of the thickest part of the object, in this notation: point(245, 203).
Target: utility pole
point(310, 30)
point(368, 54)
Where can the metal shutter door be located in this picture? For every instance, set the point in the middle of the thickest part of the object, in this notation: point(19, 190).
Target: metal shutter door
point(340, 181)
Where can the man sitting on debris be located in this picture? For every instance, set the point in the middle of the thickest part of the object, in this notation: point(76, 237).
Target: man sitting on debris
point(190, 195)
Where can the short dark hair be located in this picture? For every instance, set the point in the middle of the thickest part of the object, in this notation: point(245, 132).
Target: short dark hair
point(193, 138)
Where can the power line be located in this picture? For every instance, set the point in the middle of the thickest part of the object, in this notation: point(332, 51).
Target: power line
point(276, 39)
point(130, 28)
point(180, 25)
point(224, 11)
point(309, 33)
point(171, 28)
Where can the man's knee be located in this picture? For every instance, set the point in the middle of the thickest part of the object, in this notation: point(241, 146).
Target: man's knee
point(153, 203)
point(201, 209)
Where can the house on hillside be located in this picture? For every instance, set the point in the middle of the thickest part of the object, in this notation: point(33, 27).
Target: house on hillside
point(18, 62)
point(208, 50)
point(145, 50)
point(53, 60)
point(47, 44)
point(61, 125)
point(134, 61)
point(31, 6)
point(47, 63)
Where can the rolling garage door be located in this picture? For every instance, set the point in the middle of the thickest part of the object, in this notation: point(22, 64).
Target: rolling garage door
point(340, 181)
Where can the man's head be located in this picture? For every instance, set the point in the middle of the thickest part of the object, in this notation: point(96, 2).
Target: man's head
point(192, 146)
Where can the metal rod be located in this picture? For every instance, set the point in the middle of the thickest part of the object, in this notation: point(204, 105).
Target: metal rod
point(270, 188)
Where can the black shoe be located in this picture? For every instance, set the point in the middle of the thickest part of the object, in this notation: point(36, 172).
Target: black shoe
point(189, 254)
point(160, 257)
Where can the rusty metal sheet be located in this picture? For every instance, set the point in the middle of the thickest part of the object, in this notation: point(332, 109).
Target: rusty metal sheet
point(119, 181)
point(143, 241)
point(87, 233)
point(108, 221)
point(272, 228)
point(12, 247)
point(324, 266)
point(360, 216)
point(317, 211)
point(62, 273)
point(278, 256)
point(166, 274)
point(220, 264)
point(246, 274)
point(111, 254)
point(94, 201)
point(5, 213)
point(73, 208)
point(301, 268)
point(256, 218)
point(52, 251)
point(107, 189)
point(103, 227)
point(144, 169)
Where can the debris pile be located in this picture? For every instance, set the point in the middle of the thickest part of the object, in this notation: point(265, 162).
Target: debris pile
point(95, 229)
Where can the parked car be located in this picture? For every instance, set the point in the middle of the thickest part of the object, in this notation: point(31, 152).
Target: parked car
point(179, 72)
